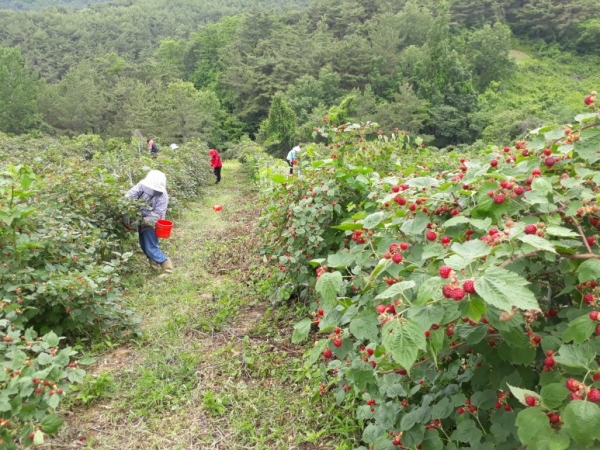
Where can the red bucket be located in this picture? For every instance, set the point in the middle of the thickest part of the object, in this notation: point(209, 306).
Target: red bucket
point(163, 228)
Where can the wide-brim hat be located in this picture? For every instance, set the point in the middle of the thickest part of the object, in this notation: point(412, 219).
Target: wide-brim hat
point(155, 180)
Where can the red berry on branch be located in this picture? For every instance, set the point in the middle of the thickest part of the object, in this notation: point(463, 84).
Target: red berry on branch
point(594, 315)
point(494, 162)
point(594, 395)
point(530, 229)
point(499, 199)
point(531, 401)
point(445, 271)
point(327, 353)
point(431, 236)
point(457, 294)
point(572, 384)
point(469, 286)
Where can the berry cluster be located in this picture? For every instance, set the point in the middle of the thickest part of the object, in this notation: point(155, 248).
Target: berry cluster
point(503, 401)
point(579, 391)
point(395, 252)
point(467, 407)
point(454, 290)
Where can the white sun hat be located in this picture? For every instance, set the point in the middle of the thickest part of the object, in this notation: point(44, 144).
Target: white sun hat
point(155, 180)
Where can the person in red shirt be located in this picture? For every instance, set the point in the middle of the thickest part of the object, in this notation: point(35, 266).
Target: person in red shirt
point(215, 162)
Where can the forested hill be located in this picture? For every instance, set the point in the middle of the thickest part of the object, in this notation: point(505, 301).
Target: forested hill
point(214, 70)
point(28, 5)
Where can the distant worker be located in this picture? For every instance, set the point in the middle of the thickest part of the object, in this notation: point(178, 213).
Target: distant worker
point(152, 147)
point(216, 163)
point(292, 158)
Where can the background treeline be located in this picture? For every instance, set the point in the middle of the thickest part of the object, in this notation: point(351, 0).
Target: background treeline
point(216, 70)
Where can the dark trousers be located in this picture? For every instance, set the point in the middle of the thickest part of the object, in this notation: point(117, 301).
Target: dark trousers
point(291, 168)
point(218, 174)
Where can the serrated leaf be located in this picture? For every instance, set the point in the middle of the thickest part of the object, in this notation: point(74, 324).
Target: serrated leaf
point(537, 242)
point(432, 441)
point(426, 315)
point(403, 341)
point(372, 220)
point(361, 374)
point(579, 356)
point(416, 226)
point(541, 185)
point(588, 270)
point(457, 220)
point(579, 329)
point(587, 147)
point(301, 330)
point(348, 226)
point(382, 265)
point(560, 232)
point(396, 289)
point(553, 395)
point(51, 339)
point(51, 423)
point(504, 289)
point(429, 290)
point(587, 117)
point(365, 325)
point(471, 250)
point(520, 394)
point(467, 431)
point(582, 419)
point(340, 260)
point(328, 285)
point(532, 423)
point(442, 409)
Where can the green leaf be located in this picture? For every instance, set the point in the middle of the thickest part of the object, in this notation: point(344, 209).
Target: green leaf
point(579, 329)
point(537, 242)
point(442, 409)
point(51, 339)
point(585, 117)
point(541, 185)
point(416, 226)
point(474, 308)
point(589, 270)
point(301, 330)
point(503, 425)
point(467, 431)
point(484, 399)
point(396, 289)
point(361, 373)
point(53, 401)
point(457, 220)
point(560, 232)
point(381, 266)
point(553, 395)
point(328, 286)
point(429, 290)
point(587, 147)
point(340, 260)
point(365, 325)
point(403, 341)
point(471, 250)
point(51, 423)
point(582, 419)
point(372, 220)
point(520, 394)
point(504, 289)
point(427, 315)
point(432, 441)
point(578, 356)
point(278, 178)
point(532, 424)
point(345, 226)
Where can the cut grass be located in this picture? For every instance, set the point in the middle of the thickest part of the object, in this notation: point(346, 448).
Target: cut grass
point(214, 366)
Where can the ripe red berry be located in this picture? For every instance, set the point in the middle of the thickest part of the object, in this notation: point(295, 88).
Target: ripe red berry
point(519, 190)
point(549, 352)
point(494, 162)
point(446, 240)
point(427, 333)
point(497, 405)
point(469, 286)
point(403, 245)
point(549, 161)
point(572, 384)
point(490, 193)
point(431, 235)
point(588, 298)
point(397, 258)
point(547, 152)
point(320, 312)
point(445, 271)
point(554, 418)
point(337, 330)
point(507, 407)
point(395, 188)
point(596, 377)
point(530, 229)
point(588, 100)
point(337, 342)
point(549, 361)
point(594, 395)
point(460, 410)
point(499, 199)
point(506, 149)
point(327, 353)
point(370, 351)
point(594, 315)
point(536, 172)
point(31, 436)
point(531, 401)
point(447, 290)
point(457, 294)
point(591, 240)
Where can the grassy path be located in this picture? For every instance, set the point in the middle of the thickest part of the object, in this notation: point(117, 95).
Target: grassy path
point(214, 368)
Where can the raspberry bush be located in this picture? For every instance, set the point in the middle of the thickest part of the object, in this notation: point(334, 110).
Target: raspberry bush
point(454, 296)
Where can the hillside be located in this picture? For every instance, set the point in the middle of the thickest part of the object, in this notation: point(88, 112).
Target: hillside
point(30, 5)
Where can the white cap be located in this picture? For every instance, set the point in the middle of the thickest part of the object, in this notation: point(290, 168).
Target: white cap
point(174, 146)
point(155, 180)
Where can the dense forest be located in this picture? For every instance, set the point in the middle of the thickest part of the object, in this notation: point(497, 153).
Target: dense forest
point(28, 5)
point(184, 69)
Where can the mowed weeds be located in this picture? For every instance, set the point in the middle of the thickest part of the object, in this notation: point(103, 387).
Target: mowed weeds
point(214, 366)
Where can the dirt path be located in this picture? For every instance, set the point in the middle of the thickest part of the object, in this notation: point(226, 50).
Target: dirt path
point(214, 368)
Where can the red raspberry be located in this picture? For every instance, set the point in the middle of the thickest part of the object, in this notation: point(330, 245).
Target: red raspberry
point(446, 240)
point(588, 100)
point(588, 298)
point(554, 418)
point(457, 294)
point(431, 235)
point(327, 353)
point(403, 245)
point(531, 401)
point(594, 315)
point(572, 384)
point(397, 258)
point(445, 271)
point(427, 334)
point(469, 286)
point(550, 161)
point(507, 407)
point(549, 352)
point(594, 395)
point(395, 188)
point(447, 291)
point(596, 377)
point(497, 405)
point(530, 229)
point(460, 410)
point(337, 342)
point(519, 190)
point(591, 240)
point(494, 162)
point(536, 172)
point(549, 361)
point(370, 351)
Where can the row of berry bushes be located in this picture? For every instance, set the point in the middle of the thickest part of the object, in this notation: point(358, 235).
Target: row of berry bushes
point(64, 249)
point(453, 297)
